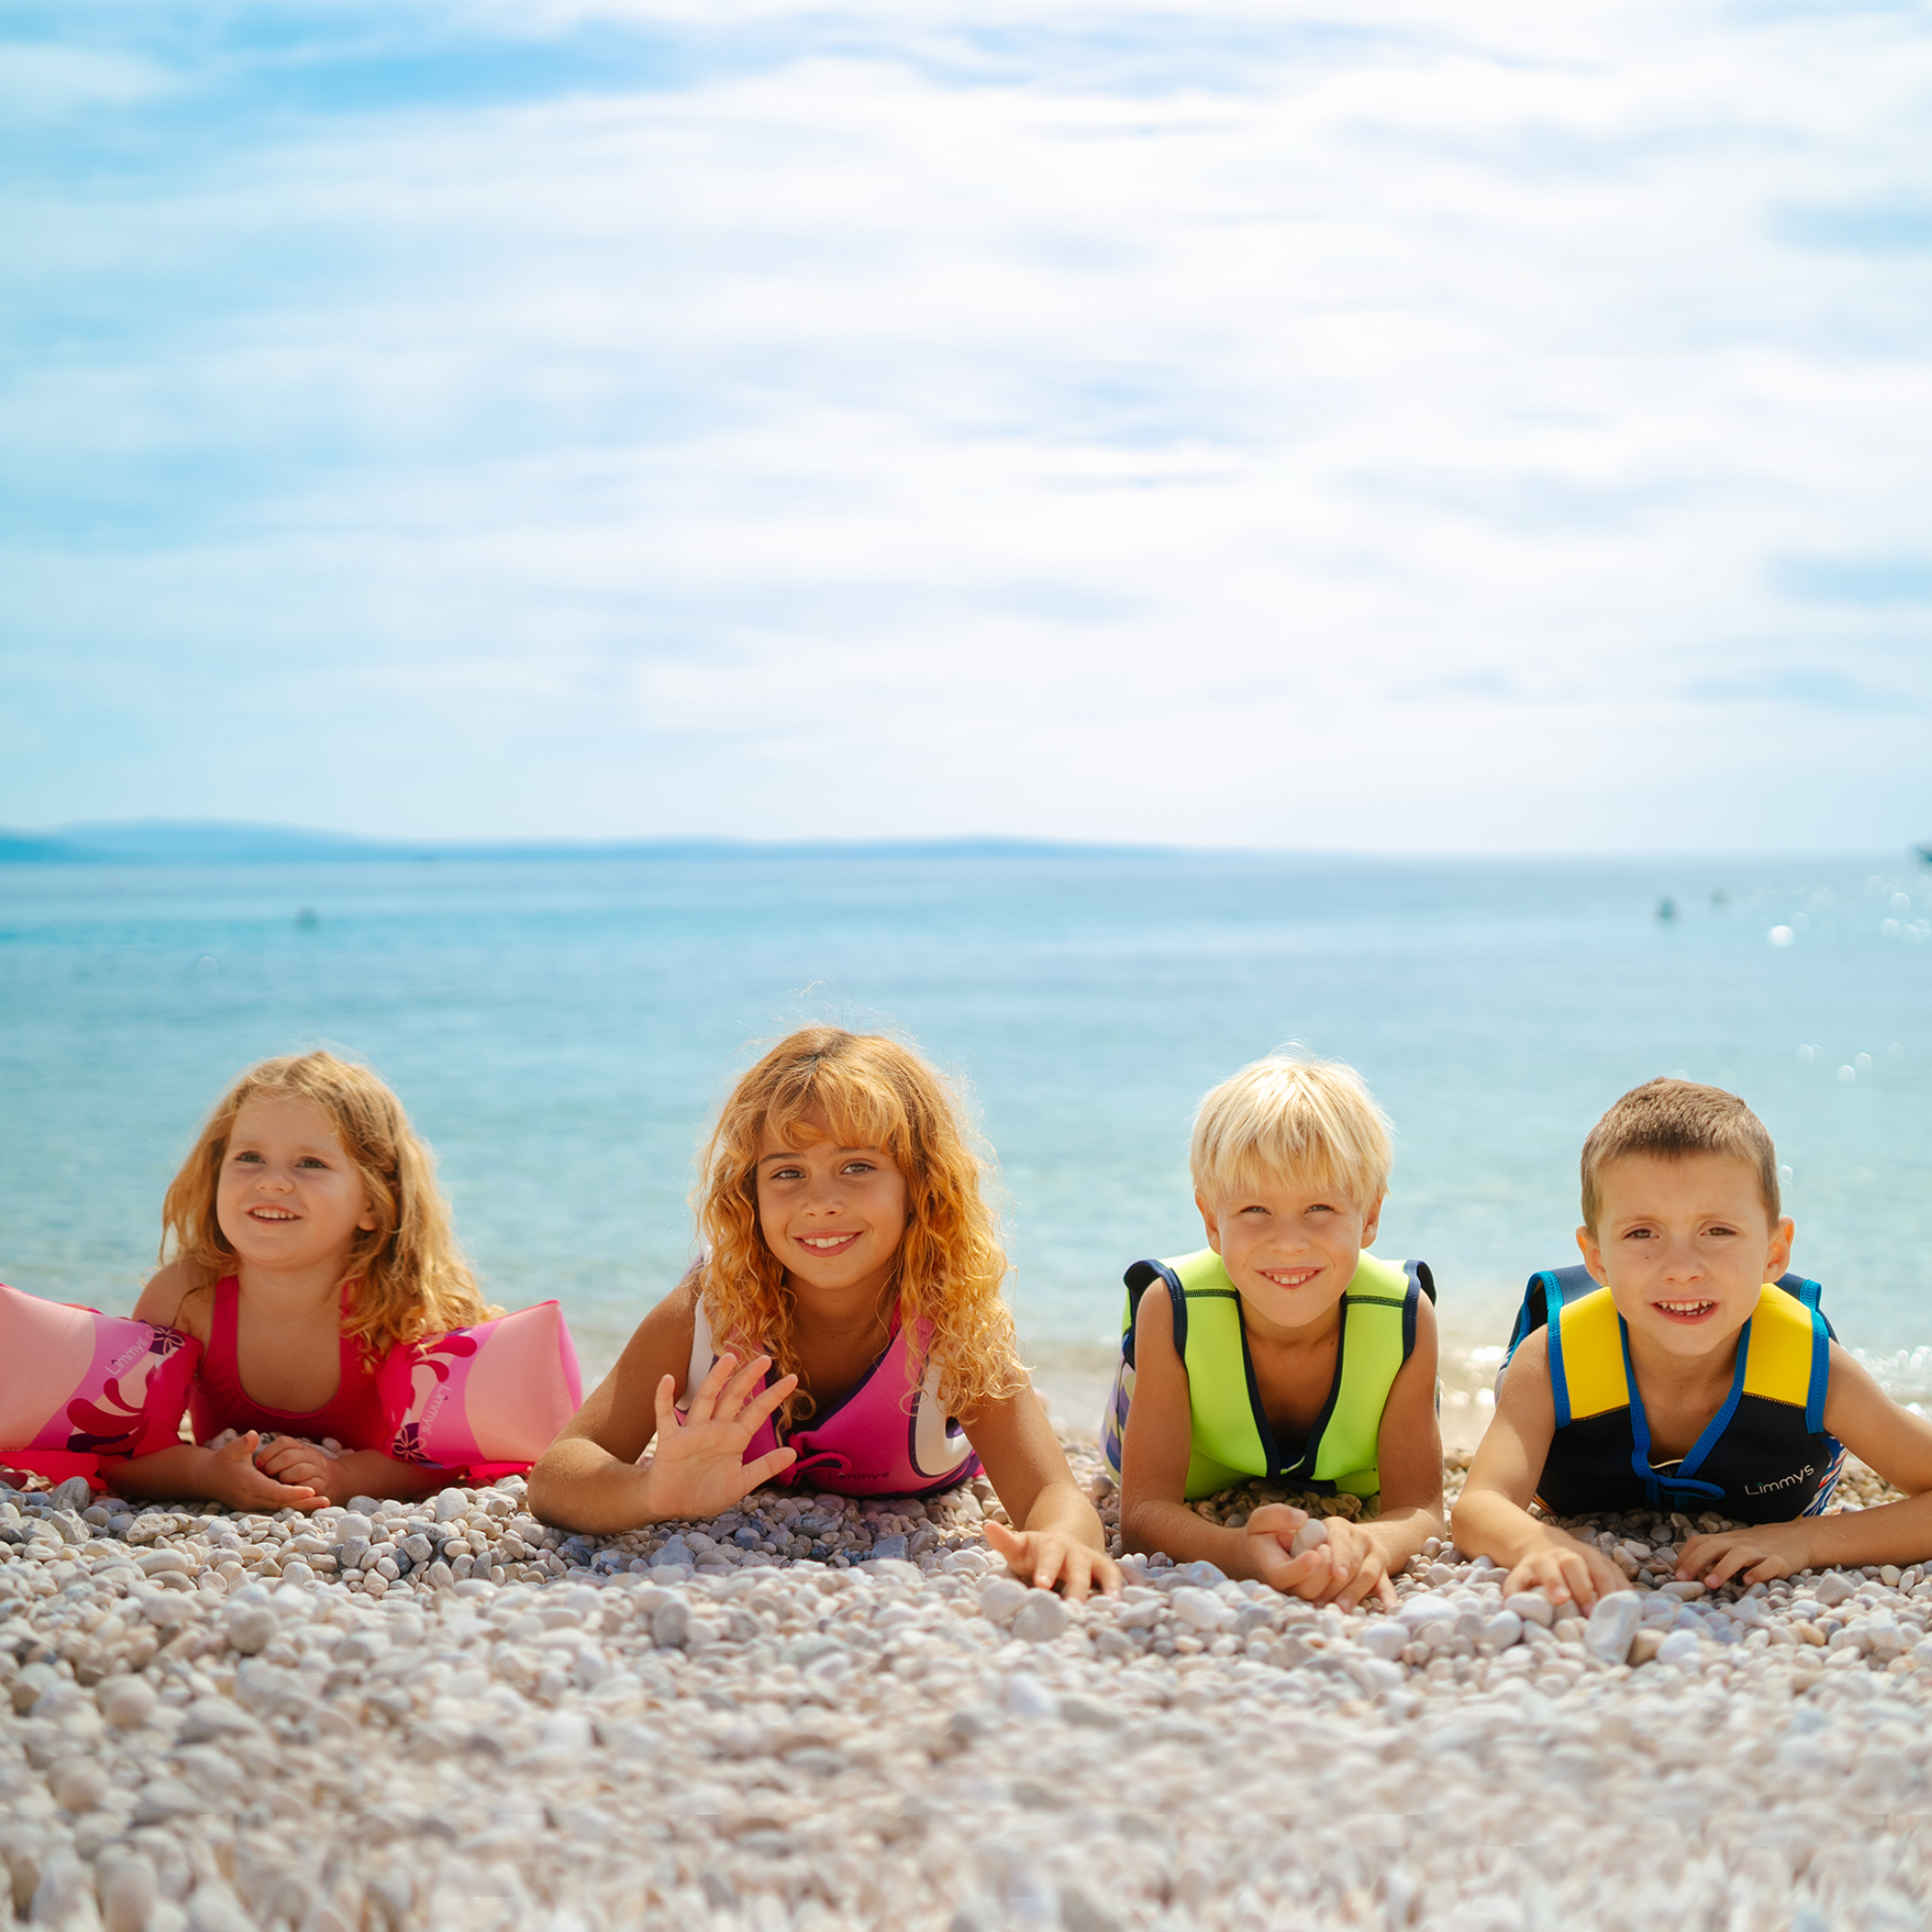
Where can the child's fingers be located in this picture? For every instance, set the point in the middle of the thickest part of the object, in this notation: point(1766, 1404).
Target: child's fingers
point(768, 1466)
point(741, 1389)
point(763, 1401)
point(703, 1398)
point(666, 1407)
point(1276, 1519)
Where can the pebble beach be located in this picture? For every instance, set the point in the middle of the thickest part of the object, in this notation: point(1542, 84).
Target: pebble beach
point(819, 1713)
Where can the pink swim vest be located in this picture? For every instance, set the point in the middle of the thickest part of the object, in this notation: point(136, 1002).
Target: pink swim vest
point(875, 1442)
point(216, 1400)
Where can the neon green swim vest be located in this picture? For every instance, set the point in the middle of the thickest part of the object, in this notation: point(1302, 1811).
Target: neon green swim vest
point(1234, 1441)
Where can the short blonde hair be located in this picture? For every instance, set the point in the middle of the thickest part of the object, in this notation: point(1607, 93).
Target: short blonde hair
point(1671, 1118)
point(410, 1279)
point(1280, 1119)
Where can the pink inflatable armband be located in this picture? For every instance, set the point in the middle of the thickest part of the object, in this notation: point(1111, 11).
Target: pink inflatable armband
point(493, 1396)
point(77, 1385)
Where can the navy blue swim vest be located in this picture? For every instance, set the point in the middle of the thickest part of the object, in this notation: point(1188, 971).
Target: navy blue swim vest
point(1765, 1456)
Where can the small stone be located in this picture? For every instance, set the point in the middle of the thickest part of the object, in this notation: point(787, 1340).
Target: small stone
point(450, 1504)
point(1835, 1589)
point(1386, 1640)
point(252, 1629)
point(1028, 1697)
point(1613, 1623)
point(82, 1786)
point(1202, 1610)
point(1680, 1646)
point(1501, 1631)
point(125, 1702)
point(1001, 1598)
point(127, 1892)
point(1533, 1608)
point(1312, 1535)
point(1041, 1618)
point(675, 1551)
point(670, 1623)
point(1645, 1645)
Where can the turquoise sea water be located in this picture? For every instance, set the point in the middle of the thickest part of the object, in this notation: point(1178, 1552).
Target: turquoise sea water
point(561, 1030)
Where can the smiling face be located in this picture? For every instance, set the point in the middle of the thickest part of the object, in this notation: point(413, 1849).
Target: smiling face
point(1291, 1248)
point(832, 1215)
point(289, 1197)
point(1684, 1244)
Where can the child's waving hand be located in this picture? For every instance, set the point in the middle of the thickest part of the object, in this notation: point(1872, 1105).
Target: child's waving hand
point(698, 1467)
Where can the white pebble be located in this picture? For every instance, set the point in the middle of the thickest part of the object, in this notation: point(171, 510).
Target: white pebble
point(1613, 1623)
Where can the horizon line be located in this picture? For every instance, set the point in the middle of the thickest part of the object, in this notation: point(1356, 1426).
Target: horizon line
point(239, 841)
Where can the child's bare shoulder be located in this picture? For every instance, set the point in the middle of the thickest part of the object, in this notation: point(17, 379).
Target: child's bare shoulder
point(179, 1296)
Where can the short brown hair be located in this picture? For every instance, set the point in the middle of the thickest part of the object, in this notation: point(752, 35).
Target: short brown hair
point(1675, 1118)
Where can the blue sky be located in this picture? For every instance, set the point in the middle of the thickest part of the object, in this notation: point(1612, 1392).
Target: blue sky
point(1389, 426)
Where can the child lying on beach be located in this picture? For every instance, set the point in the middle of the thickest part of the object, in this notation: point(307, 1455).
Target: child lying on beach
point(1282, 1351)
point(1687, 1382)
point(853, 1280)
point(309, 1237)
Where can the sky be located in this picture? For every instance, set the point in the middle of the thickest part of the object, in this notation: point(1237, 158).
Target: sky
point(1384, 427)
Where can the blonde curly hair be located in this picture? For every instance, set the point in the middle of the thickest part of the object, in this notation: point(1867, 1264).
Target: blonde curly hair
point(870, 1092)
point(409, 1277)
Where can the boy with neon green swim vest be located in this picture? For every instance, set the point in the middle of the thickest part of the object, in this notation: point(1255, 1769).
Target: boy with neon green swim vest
point(1282, 1351)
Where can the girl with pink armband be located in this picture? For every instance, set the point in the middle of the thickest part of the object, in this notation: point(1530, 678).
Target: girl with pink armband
point(306, 1244)
point(851, 1280)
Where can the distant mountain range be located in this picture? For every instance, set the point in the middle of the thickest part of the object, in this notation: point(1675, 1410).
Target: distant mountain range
point(193, 843)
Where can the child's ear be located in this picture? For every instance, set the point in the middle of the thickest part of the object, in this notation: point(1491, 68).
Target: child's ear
point(1779, 1258)
point(1592, 1257)
point(1208, 1222)
point(1373, 1220)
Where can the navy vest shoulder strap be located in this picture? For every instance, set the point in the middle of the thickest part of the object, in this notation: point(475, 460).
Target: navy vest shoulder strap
point(1548, 1291)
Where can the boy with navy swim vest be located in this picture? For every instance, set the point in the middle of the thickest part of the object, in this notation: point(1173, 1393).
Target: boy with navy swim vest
point(1282, 1351)
point(1691, 1381)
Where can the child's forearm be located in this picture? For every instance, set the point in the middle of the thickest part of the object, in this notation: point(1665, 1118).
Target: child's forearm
point(186, 1472)
point(1399, 1535)
point(1484, 1523)
point(368, 1472)
point(578, 1484)
point(1173, 1530)
point(1898, 1533)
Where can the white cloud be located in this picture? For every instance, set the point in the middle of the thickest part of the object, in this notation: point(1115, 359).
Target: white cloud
point(1379, 441)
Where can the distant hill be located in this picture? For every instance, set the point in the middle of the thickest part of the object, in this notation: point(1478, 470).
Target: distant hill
point(197, 842)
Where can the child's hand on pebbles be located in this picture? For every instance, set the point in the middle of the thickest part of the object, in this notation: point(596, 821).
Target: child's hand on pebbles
point(1757, 1555)
point(1048, 1559)
point(1566, 1570)
point(300, 1465)
point(1324, 1560)
point(235, 1479)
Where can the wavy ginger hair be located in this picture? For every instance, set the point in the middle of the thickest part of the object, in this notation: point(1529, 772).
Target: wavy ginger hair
point(949, 1269)
point(410, 1279)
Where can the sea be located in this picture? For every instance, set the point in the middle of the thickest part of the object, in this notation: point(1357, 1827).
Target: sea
point(562, 1029)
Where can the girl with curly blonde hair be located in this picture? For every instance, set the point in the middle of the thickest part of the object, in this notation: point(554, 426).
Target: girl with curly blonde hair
point(303, 1237)
point(852, 1279)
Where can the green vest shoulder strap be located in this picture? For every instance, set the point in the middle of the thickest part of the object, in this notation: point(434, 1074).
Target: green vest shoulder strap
point(1232, 1440)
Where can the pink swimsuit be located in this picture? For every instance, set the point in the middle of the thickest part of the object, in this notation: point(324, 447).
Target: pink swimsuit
point(875, 1442)
point(216, 1400)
